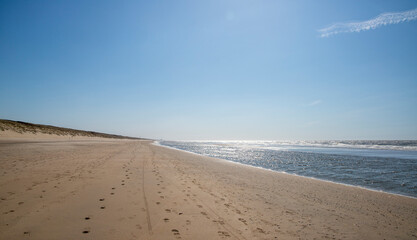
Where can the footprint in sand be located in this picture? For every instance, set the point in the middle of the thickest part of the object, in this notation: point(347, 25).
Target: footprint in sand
point(176, 233)
point(101, 199)
point(223, 234)
point(102, 207)
point(205, 214)
point(221, 222)
point(87, 218)
point(166, 219)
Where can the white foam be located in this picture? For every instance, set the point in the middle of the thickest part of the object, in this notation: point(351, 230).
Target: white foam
point(157, 143)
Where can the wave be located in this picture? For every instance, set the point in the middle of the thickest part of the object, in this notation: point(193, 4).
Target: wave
point(387, 165)
point(400, 145)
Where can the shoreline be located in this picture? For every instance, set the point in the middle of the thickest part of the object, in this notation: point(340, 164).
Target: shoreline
point(133, 189)
point(307, 144)
point(156, 143)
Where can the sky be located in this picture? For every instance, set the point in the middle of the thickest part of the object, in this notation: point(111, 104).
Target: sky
point(216, 69)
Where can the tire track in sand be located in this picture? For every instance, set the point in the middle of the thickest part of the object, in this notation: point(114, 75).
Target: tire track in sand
point(148, 217)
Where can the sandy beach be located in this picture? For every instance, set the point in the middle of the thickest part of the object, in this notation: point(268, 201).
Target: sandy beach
point(201, 120)
point(96, 188)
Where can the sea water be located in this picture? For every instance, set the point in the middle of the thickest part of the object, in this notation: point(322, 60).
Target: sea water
point(389, 166)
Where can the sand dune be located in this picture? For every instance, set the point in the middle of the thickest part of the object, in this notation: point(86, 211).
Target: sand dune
point(131, 189)
point(16, 129)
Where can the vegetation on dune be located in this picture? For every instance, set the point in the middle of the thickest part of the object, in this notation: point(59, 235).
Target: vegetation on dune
point(24, 127)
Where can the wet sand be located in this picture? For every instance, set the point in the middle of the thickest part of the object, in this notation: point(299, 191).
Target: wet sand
point(131, 189)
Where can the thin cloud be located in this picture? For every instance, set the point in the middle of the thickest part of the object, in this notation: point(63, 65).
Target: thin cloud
point(381, 20)
point(314, 103)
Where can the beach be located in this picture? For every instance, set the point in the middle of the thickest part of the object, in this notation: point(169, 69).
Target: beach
point(101, 188)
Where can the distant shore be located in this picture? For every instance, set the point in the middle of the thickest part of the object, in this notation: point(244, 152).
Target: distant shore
point(101, 188)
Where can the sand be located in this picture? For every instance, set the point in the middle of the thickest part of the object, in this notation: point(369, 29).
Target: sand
point(131, 189)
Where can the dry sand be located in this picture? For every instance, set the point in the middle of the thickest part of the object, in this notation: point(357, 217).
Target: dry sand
point(131, 189)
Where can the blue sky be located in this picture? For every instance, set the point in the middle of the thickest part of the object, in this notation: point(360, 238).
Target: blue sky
point(211, 69)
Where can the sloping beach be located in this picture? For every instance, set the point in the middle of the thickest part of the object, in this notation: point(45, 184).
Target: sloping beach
point(132, 189)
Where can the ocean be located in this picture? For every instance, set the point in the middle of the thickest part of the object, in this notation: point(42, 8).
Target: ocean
point(389, 166)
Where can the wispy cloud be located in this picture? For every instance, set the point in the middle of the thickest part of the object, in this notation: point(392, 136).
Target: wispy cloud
point(381, 20)
point(314, 103)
